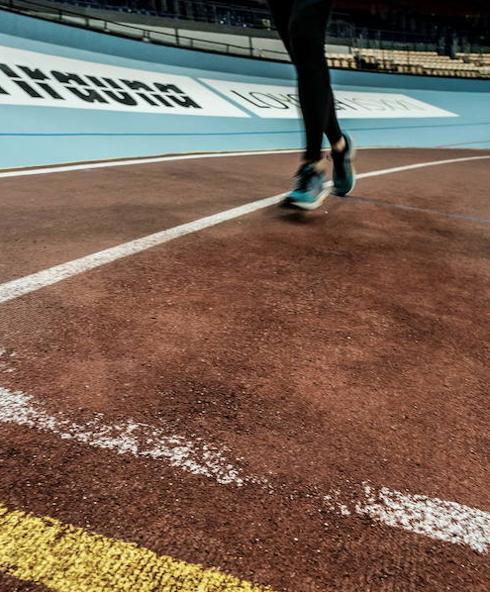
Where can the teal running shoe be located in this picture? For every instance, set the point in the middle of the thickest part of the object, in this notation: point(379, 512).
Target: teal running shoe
point(309, 192)
point(344, 175)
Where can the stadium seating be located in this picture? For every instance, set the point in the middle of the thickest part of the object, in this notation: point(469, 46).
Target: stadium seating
point(414, 62)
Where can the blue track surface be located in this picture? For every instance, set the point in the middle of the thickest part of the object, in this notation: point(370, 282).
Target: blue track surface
point(32, 135)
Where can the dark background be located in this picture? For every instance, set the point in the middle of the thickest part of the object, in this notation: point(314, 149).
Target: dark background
point(435, 21)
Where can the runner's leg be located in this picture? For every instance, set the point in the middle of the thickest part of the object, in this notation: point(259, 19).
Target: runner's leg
point(281, 14)
point(307, 30)
point(302, 25)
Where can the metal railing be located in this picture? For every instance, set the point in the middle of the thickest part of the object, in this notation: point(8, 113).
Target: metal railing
point(193, 10)
point(146, 34)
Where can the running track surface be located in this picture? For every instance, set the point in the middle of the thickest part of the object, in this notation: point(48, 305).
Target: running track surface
point(299, 358)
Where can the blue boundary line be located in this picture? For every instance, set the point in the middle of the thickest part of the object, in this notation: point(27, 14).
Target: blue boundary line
point(234, 133)
point(29, 134)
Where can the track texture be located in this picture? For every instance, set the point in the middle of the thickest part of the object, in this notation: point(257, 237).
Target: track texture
point(320, 351)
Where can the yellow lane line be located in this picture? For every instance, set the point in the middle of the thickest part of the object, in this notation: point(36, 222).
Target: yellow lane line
point(66, 558)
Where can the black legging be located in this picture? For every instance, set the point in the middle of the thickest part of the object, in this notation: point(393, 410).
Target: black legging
point(302, 26)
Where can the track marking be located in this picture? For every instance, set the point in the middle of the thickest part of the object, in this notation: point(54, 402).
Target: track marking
point(420, 165)
point(66, 168)
point(140, 440)
point(66, 558)
point(432, 517)
point(30, 283)
point(84, 166)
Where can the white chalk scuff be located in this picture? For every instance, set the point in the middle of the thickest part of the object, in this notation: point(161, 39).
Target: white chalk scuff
point(432, 517)
point(129, 437)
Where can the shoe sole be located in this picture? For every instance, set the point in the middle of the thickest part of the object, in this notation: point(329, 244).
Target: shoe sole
point(303, 205)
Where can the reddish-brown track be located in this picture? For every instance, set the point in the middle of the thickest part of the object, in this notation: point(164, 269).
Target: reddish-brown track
point(322, 349)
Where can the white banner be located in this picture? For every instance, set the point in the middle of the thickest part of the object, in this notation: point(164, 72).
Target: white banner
point(272, 101)
point(36, 79)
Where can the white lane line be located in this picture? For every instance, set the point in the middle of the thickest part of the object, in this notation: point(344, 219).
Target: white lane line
point(127, 437)
point(84, 166)
point(432, 517)
point(30, 283)
point(420, 165)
